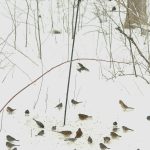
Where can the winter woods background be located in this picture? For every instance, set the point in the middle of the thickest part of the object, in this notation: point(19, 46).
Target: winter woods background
point(111, 41)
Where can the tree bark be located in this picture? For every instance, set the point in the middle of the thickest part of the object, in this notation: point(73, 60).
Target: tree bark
point(136, 13)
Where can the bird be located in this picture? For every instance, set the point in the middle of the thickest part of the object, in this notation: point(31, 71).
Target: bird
point(53, 128)
point(83, 116)
point(106, 139)
point(115, 129)
point(10, 110)
point(148, 118)
point(79, 133)
point(10, 145)
point(113, 8)
point(115, 123)
point(59, 106)
point(82, 68)
point(75, 102)
point(114, 135)
point(65, 133)
point(90, 141)
point(41, 133)
point(27, 112)
point(103, 147)
point(40, 124)
point(124, 106)
point(71, 139)
point(125, 129)
point(10, 138)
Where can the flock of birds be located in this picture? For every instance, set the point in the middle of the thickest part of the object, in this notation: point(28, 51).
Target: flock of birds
point(66, 133)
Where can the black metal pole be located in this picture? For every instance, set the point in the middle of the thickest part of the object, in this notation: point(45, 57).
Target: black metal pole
point(74, 35)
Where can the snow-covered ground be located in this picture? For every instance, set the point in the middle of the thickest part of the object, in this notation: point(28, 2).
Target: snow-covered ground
point(100, 97)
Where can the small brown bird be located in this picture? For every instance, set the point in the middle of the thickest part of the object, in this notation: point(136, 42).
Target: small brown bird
point(41, 133)
point(56, 32)
point(71, 139)
point(10, 145)
point(79, 133)
point(10, 110)
point(65, 133)
point(82, 68)
point(90, 141)
point(84, 117)
point(103, 147)
point(75, 102)
point(10, 138)
point(115, 129)
point(106, 139)
point(124, 106)
point(59, 106)
point(40, 124)
point(114, 135)
point(53, 128)
point(125, 129)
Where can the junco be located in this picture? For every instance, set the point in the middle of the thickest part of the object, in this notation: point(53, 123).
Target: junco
point(10, 138)
point(40, 124)
point(103, 147)
point(82, 68)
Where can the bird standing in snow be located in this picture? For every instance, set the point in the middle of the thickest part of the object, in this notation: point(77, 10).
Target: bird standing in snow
point(124, 106)
point(40, 124)
point(10, 138)
point(125, 129)
point(103, 147)
point(75, 102)
point(10, 110)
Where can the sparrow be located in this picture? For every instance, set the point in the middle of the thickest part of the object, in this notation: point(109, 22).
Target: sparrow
point(106, 139)
point(10, 110)
point(65, 133)
point(10, 138)
point(103, 147)
point(82, 68)
point(115, 129)
point(75, 102)
point(59, 106)
point(148, 117)
point(53, 128)
point(27, 112)
point(125, 129)
point(71, 139)
point(41, 133)
point(90, 140)
point(114, 135)
point(56, 32)
point(124, 106)
point(83, 116)
point(79, 133)
point(10, 145)
point(40, 124)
